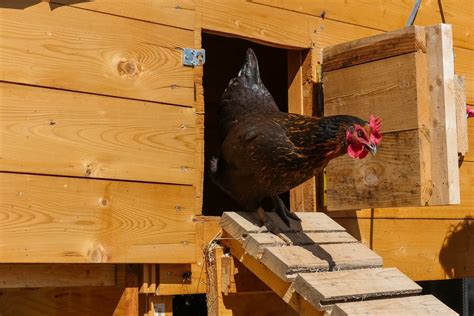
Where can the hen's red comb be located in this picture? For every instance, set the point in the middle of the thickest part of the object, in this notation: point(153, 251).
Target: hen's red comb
point(375, 124)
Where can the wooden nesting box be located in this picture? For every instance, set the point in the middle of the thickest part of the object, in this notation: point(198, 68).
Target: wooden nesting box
point(406, 78)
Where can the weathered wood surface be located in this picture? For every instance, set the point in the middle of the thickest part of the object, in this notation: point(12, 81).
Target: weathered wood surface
point(47, 131)
point(390, 179)
point(442, 97)
point(98, 53)
point(325, 289)
point(288, 261)
point(20, 275)
point(417, 305)
point(387, 16)
point(461, 120)
point(385, 45)
point(178, 13)
point(70, 220)
point(240, 224)
point(388, 88)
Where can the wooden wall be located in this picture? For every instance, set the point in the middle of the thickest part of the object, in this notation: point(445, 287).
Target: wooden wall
point(98, 126)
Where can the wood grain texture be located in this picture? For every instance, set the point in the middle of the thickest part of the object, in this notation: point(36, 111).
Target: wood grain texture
point(423, 249)
point(385, 45)
point(287, 262)
point(442, 97)
point(329, 32)
point(387, 88)
point(324, 289)
point(461, 119)
point(50, 131)
point(178, 13)
point(56, 275)
point(255, 22)
point(388, 16)
point(99, 53)
point(107, 300)
point(281, 288)
point(447, 212)
point(391, 179)
point(69, 220)
point(425, 305)
point(470, 154)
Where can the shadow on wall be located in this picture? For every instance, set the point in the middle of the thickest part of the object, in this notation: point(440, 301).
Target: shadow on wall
point(457, 253)
point(23, 4)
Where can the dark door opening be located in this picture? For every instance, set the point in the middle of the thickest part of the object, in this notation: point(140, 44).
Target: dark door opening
point(224, 57)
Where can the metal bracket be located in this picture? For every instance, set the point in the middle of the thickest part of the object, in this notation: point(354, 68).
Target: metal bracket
point(194, 57)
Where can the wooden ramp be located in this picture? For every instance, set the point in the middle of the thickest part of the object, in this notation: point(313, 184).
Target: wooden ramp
point(317, 267)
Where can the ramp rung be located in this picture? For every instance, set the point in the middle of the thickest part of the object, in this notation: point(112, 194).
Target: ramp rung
point(325, 289)
point(287, 261)
point(407, 306)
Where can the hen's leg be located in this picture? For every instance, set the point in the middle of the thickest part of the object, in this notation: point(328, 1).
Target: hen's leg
point(282, 211)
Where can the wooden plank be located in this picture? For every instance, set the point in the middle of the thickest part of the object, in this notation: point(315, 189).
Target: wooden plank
point(240, 224)
point(186, 279)
point(178, 13)
point(416, 305)
point(281, 288)
point(461, 120)
point(56, 275)
point(302, 197)
point(70, 220)
point(48, 131)
point(107, 300)
point(470, 154)
point(306, 238)
point(325, 289)
point(330, 32)
point(255, 244)
point(287, 262)
point(100, 53)
point(391, 179)
point(387, 16)
point(369, 49)
point(423, 249)
point(444, 164)
point(387, 88)
point(255, 22)
point(433, 212)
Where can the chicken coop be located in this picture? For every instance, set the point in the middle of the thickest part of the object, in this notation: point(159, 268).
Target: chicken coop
point(108, 121)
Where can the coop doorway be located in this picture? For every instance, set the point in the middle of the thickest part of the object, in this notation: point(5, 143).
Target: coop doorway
point(224, 58)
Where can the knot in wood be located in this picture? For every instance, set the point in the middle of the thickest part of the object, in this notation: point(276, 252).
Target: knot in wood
point(129, 68)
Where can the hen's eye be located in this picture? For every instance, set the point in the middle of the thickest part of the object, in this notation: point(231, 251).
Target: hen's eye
point(359, 133)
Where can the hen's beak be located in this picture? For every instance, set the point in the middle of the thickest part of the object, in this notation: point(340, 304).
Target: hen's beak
point(372, 148)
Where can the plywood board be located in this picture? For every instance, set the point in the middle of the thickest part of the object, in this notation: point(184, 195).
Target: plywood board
point(48, 131)
point(287, 262)
point(417, 305)
point(387, 16)
point(385, 45)
point(179, 13)
point(25, 275)
point(98, 53)
point(70, 220)
point(324, 289)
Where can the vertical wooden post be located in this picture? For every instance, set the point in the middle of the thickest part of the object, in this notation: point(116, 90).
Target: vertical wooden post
point(300, 101)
